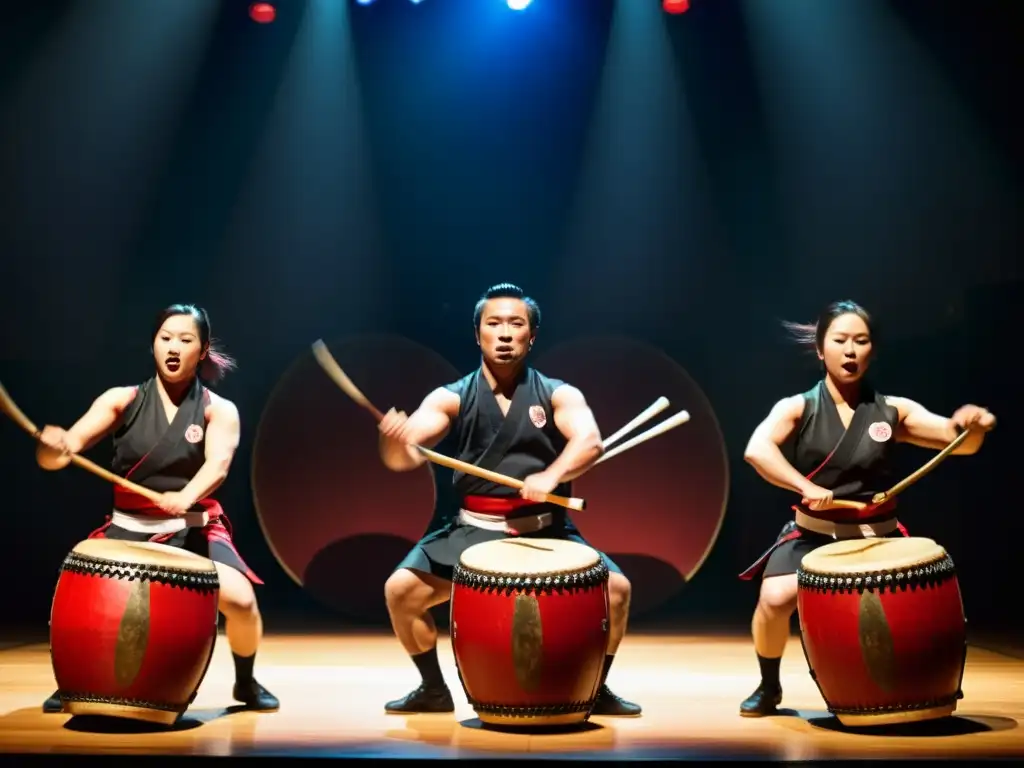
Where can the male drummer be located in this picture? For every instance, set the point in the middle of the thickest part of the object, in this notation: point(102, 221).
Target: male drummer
point(510, 419)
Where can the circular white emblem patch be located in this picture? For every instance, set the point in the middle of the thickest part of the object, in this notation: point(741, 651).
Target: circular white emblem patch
point(880, 431)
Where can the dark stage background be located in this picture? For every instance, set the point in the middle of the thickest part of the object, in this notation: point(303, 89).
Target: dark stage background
point(667, 188)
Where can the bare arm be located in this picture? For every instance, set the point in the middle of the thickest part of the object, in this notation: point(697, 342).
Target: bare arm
point(426, 427)
point(223, 432)
point(919, 426)
point(763, 452)
point(89, 429)
point(576, 422)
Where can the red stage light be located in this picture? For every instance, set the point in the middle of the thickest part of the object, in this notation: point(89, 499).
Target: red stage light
point(676, 6)
point(262, 13)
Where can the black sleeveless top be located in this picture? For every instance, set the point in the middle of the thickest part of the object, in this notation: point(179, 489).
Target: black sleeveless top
point(853, 463)
point(518, 444)
point(157, 455)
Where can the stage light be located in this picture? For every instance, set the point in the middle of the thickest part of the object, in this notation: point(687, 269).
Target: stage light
point(518, 5)
point(364, 2)
point(675, 6)
point(262, 13)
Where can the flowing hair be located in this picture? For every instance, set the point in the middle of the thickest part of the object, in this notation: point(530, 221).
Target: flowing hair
point(812, 335)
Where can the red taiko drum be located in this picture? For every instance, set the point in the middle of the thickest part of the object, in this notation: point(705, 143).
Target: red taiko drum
point(883, 629)
point(132, 629)
point(529, 628)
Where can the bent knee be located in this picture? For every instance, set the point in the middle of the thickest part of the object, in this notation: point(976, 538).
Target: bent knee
point(400, 585)
point(237, 597)
point(406, 589)
point(778, 594)
point(238, 601)
point(239, 605)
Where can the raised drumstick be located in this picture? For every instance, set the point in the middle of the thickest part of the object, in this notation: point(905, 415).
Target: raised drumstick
point(644, 416)
point(659, 429)
point(332, 369)
point(335, 372)
point(9, 407)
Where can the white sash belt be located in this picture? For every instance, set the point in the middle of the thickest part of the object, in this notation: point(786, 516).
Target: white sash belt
point(158, 525)
point(525, 524)
point(845, 530)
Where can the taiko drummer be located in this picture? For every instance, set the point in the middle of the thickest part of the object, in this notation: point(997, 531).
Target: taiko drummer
point(840, 434)
point(508, 418)
point(173, 435)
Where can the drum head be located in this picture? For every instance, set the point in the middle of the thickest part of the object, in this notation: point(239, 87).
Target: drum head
point(143, 553)
point(529, 557)
point(870, 555)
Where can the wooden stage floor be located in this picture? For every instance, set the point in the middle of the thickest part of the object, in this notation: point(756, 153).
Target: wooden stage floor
point(332, 691)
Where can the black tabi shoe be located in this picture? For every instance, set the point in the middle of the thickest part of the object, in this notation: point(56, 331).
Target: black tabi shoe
point(423, 700)
point(610, 705)
point(255, 697)
point(53, 705)
point(764, 701)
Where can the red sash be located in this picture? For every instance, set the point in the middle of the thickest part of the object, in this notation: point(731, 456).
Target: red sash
point(872, 513)
point(218, 529)
point(495, 505)
point(130, 501)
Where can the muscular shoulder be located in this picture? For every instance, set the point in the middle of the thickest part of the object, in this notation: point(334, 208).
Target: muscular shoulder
point(791, 407)
point(444, 399)
point(220, 407)
point(902, 405)
point(118, 398)
point(566, 395)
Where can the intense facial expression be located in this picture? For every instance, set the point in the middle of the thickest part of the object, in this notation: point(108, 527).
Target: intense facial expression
point(178, 349)
point(846, 349)
point(504, 334)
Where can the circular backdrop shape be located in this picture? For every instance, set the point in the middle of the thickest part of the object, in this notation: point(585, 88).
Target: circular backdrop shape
point(657, 508)
point(337, 520)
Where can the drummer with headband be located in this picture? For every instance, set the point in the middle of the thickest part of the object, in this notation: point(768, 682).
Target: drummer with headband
point(842, 432)
point(174, 436)
point(508, 418)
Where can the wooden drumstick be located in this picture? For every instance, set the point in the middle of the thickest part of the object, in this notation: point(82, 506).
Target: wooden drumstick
point(495, 477)
point(924, 470)
point(646, 415)
point(845, 504)
point(670, 423)
point(9, 407)
point(334, 371)
point(909, 480)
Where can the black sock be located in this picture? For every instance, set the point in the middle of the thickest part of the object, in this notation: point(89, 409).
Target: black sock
point(608, 659)
point(769, 671)
point(430, 669)
point(243, 667)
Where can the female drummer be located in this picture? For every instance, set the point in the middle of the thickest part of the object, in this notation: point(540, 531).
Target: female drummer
point(842, 432)
point(173, 435)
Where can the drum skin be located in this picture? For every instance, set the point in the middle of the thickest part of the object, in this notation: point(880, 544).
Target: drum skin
point(129, 639)
point(885, 647)
point(530, 648)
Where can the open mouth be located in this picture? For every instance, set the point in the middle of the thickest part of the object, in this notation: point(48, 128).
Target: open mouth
point(173, 364)
point(851, 367)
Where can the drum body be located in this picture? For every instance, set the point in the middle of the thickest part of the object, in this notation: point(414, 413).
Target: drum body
point(132, 629)
point(883, 629)
point(529, 628)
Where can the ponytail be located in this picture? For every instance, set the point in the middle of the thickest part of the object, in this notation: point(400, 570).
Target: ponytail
point(216, 365)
